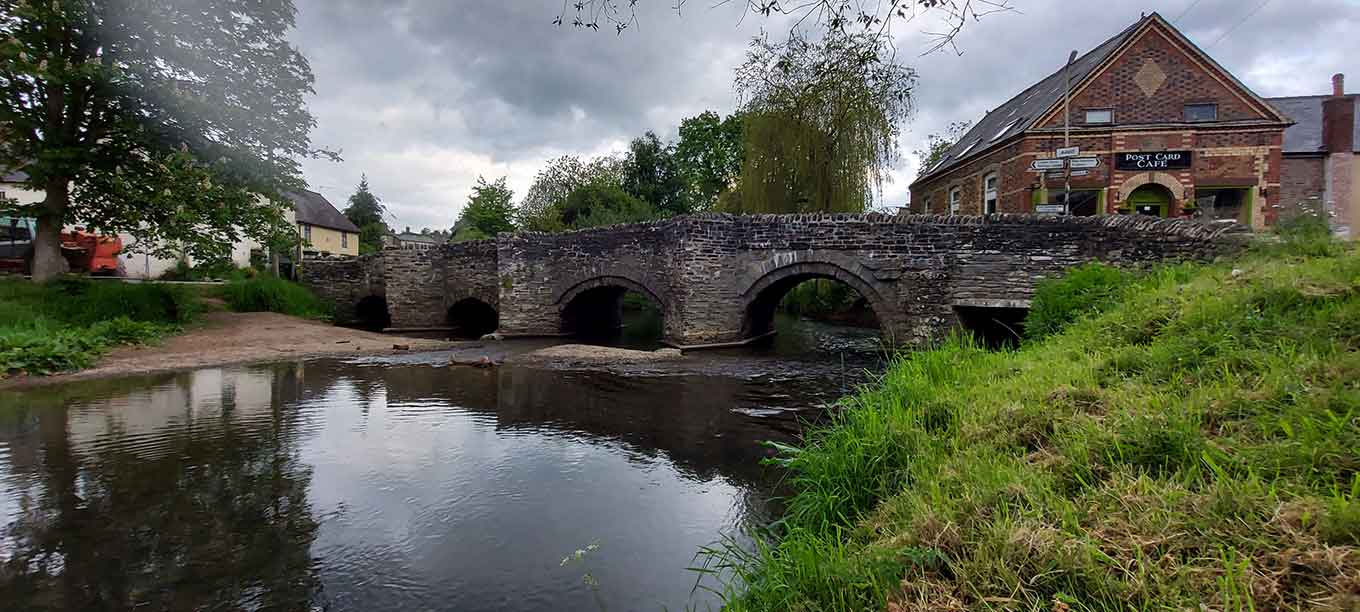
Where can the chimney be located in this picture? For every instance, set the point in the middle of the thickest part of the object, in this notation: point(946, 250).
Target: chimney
point(1338, 119)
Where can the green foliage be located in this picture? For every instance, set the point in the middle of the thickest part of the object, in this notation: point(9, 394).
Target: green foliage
point(652, 174)
point(709, 154)
point(600, 204)
point(168, 118)
point(65, 325)
point(541, 210)
point(489, 211)
point(818, 297)
point(821, 122)
point(1191, 443)
point(1084, 290)
point(267, 293)
point(366, 211)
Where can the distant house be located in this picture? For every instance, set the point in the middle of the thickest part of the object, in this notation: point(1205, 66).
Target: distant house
point(1322, 155)
point(411, 241)
point(14, 186)
point(323, 229)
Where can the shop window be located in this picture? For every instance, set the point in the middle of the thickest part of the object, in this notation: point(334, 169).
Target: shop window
point(989, 194)
point(1201, 112)
point(954, 195)
point(1083, 202)
point(1214, 205)
point(1099, 115)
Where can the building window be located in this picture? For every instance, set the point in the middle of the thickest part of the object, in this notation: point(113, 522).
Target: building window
point(1099, 115)
point(954, 200)
point(1201, 112)
point(307, 233)
point(1084, 202)
point(926, 205)
point(989, 194)
point(344, 240)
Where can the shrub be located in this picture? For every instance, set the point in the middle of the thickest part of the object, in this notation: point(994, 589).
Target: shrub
point(272, 294)
point(1083, 291)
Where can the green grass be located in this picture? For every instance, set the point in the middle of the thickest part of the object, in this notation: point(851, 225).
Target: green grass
point(67, 324)
point(1192, 440)
point(266, 293)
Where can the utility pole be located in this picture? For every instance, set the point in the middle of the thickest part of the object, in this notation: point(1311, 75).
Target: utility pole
point(1067, 132)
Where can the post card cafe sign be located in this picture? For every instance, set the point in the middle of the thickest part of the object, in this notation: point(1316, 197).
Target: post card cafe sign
point(1152, 160)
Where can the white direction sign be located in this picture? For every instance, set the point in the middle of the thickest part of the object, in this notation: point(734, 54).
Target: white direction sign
point(1049, 209)
point(1068, 152)
point(1083, 162)
point(1048, 164)
point(1079, 173)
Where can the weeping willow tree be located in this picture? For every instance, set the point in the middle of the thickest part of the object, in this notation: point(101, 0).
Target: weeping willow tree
point(822, 122)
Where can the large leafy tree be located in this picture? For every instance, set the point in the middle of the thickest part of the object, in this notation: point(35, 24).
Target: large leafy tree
point(602, 203)
point(652, 174)
point(161, 118)
point(489, 211)
point(709, 153)
point(821, 122)
point(366, 211)
point(541, 210)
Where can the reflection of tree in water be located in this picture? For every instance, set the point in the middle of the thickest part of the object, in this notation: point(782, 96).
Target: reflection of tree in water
point(214, 517)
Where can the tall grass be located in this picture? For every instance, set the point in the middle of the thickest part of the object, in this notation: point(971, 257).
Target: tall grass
point(1193, 440)
point(68, 323)
point(266, 293)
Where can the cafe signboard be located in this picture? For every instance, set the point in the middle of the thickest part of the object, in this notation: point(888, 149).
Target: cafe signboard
point(1153, 160)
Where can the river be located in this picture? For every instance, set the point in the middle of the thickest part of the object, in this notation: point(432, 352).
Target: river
point(404, 482)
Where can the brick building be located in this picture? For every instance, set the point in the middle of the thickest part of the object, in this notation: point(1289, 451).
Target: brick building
point(1322, 155)
point(1169, 131)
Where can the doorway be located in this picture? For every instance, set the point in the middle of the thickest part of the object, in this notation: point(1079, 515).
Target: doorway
point(1151, 199)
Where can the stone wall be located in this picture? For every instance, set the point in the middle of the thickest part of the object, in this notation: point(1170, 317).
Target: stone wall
point(471, 272)
point(415, 287)
point(345, 281)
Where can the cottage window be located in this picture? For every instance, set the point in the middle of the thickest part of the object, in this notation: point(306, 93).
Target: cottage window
point(307, 232)
point(989, 193)
point(1201, 112)
point(1099, 115)
point(954, 200)
point(344, 240)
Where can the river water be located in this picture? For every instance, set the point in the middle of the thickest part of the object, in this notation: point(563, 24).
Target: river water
point(403, 482)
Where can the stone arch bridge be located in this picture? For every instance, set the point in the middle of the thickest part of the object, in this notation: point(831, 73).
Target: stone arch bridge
point(717, 278)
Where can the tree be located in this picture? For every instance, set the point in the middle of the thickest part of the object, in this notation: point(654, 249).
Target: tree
point(541, 209)
point(604, 203)
point(130, 114)
point(709, 154)
point(821, 122)
point(652, 175)
point(875, 19)
point(489, 211)
point(937, 145)
point(366, 211)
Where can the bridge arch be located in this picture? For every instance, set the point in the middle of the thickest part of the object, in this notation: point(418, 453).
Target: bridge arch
point(595, 306)
point(762, 297)
point(371, 313)
point(472, 317)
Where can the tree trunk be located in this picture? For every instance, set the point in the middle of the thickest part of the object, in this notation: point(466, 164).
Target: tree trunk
point(48, 262)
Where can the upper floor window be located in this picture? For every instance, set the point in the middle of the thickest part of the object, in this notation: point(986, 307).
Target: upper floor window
point(954, 195)
point(989, 190)
point(1201, 112)
point(306, 232)
point(1099, 115)
point(344, 240)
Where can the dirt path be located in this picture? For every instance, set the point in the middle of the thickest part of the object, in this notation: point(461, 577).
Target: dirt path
point(222, 338)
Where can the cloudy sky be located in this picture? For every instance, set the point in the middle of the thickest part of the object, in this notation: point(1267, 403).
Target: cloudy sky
point(425, 95)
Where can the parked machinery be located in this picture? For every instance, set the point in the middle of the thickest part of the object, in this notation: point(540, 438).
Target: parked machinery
point(85, 252)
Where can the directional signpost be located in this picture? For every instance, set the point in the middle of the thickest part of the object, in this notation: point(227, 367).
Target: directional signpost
point(1048, 164)
point(1068, 152)
point(1077, 163)
point(1064, 164)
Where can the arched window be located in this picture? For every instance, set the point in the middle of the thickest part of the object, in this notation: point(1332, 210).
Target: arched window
point(989, 192)
point(954, 193)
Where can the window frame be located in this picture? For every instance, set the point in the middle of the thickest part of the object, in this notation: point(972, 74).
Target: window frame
point(1086, 116)
point(955, 199)
point(991, 195)
point(344, 240)
point(1185, 110)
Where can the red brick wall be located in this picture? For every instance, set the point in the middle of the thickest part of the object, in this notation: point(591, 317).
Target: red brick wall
point(1186, 82)
point(1302, 179)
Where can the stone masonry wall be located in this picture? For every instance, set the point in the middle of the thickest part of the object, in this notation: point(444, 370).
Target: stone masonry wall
point(471, 272)
point(415, 287)
point(344, 282)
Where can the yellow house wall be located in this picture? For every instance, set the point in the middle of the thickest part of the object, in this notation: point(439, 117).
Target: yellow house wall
point(327, 240)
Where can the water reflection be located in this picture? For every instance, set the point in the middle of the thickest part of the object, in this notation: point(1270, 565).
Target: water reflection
point(352, 486)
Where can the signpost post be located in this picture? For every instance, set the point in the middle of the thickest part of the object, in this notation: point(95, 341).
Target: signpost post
point(1067, 125)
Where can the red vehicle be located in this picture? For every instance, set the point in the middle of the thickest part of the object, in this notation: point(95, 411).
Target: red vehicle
point(85, 252)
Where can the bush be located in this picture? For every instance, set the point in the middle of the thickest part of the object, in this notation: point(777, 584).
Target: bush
point(1083, 291)
point(44, 350)
point(272, 294)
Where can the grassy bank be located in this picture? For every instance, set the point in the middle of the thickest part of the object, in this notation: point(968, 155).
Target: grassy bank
point(1196, 441)
point(67, 324)
point(265, 293)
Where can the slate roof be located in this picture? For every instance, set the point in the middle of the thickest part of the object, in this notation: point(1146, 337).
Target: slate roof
point(1305, 136)
point(13, 176)
point(313, 208)
point(1019, 113)
point(413, 237)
